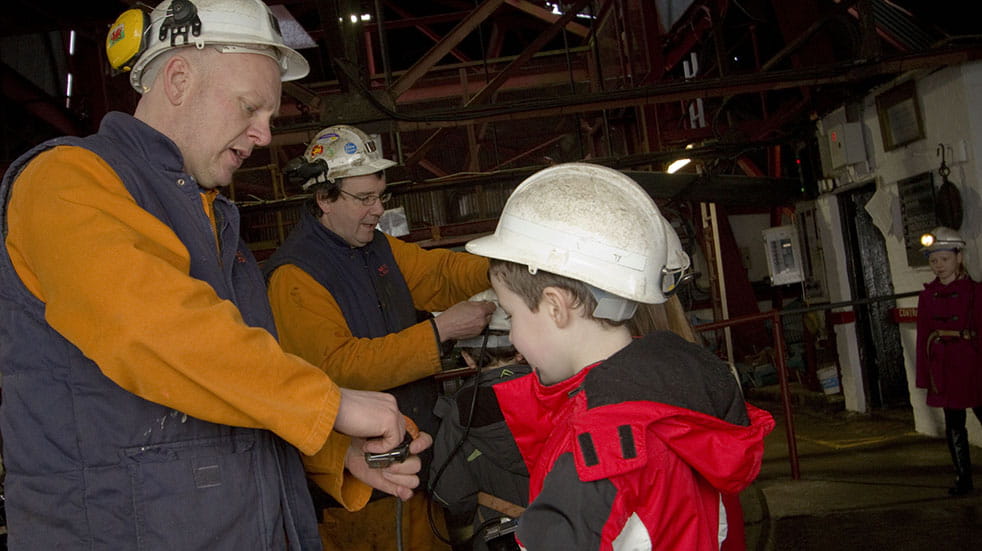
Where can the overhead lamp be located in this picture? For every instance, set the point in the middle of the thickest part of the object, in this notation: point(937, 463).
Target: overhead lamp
point(678, 163)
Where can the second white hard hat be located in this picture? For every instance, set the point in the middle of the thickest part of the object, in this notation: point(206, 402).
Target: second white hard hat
point(347, 151)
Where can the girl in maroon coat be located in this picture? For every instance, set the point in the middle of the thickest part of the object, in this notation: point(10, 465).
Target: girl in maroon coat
point(949, 315)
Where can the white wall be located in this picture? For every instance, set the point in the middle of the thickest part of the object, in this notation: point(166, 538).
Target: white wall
point(747, 232)
point(948, 100)
point(829, 224)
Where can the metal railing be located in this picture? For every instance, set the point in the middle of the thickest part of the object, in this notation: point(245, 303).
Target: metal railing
point(780, 364)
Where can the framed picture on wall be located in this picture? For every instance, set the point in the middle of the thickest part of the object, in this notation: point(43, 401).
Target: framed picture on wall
point(900, 116)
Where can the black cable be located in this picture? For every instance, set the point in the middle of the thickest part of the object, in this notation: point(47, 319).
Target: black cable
point(460, 442)
point(398, 524)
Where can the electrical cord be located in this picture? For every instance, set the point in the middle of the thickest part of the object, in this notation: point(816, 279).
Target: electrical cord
point(398, 524)
point(460, 442)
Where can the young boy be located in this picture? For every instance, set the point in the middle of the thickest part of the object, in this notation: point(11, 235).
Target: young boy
point(628, 442)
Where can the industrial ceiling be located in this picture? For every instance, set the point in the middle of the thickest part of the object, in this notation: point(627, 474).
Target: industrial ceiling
point(468, 92)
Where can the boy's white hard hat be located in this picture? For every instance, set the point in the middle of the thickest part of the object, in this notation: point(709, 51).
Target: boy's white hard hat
point(348, 151)
point(593, 224)
point(942, 238)
point(246, 26)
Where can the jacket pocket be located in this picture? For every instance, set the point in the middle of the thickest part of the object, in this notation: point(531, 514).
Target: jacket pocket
point(205, 494)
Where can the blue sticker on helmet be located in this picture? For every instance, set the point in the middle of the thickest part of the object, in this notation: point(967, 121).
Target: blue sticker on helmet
point(350, 148)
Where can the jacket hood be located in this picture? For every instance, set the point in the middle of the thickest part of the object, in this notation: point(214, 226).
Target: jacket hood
point(728, 456)
point(660, 387)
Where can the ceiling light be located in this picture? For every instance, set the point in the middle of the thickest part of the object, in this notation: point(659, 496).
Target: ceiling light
point(679, 163)
point(676, 165)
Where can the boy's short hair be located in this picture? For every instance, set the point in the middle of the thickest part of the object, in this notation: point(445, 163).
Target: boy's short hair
point(530, 286)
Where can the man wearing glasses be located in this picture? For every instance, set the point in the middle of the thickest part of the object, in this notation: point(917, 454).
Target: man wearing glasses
point(349, 298)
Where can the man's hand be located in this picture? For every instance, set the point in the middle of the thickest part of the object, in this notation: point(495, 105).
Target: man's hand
point(373, 416)
point(464, 320)
point(398, 479)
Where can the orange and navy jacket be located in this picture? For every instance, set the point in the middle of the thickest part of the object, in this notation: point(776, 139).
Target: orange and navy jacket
point(100, 270)
point(312, 325)
point(354, 311)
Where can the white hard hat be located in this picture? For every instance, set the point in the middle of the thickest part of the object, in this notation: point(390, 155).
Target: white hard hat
point(942, 238)
point(346, 151)
point(593, 224)
point(499, 326)
point(235, 26)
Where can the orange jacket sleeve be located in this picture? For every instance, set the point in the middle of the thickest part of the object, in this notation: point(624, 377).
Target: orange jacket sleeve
point(115, 282)
point(326, 469)
point(310, 322)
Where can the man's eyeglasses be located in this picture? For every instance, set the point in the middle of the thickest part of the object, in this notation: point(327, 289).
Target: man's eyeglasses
point(371, 199)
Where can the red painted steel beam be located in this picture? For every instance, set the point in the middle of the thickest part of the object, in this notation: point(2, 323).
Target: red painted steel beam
point(547, 16)
point(426, 30)
point(499, 79)
point(442, 48)
point(417, 21)
point(732, 85)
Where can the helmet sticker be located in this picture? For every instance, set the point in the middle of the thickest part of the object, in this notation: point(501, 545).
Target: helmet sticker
point(329, 137)
point(316, 150)
point(117, 33)
point(350, 148)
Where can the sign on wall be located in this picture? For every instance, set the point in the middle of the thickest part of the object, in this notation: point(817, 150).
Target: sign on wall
point(918, 213)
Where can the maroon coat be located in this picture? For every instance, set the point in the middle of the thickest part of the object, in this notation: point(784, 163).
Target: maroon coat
point(950, 367)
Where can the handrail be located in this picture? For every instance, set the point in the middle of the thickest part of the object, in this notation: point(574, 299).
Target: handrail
point(782, 375)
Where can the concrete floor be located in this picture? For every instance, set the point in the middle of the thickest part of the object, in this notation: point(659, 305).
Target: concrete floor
point(867, 482)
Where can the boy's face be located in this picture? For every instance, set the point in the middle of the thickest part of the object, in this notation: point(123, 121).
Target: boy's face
point(534, 334)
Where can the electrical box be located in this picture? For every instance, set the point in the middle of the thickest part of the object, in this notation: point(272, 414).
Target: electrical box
point(814, 284)
point(846, 145)
point(783, 255)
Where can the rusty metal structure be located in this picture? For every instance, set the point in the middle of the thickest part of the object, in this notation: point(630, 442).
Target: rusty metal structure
point(472, 95)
